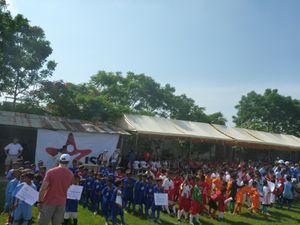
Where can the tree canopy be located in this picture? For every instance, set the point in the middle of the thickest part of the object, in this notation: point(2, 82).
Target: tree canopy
point(24, 52)
point(108, 95)
point(269, 112)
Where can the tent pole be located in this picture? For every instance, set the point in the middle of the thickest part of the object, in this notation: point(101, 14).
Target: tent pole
point(136, 142)
point(122, 143)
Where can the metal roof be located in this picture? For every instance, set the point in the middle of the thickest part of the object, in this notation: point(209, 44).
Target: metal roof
point(57, 123)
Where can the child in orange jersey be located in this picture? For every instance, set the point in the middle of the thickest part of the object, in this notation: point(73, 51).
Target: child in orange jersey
point(208, 181)
point(254, 197)
point(217, 183)
point(239, 199)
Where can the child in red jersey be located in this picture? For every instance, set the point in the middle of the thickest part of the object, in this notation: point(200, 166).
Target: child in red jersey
point(184, 199)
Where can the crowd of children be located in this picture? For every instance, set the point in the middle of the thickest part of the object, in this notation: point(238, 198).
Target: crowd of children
point(212, 189)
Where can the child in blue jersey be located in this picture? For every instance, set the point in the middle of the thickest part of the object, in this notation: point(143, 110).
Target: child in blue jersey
point(117, 203)
point(128, 185)
point(149, 195)
point(136, 191)
point(38, 180)
point(142, 195)
point(154, 208)
point(106, 199)
point(12, 184)
point(96, 193)
point(22, 212)
point(71, 210)
point(87, 189)
point(74, 168)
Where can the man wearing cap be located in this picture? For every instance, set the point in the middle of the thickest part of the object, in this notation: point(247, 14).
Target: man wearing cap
point(12, 151)
point(53, 193)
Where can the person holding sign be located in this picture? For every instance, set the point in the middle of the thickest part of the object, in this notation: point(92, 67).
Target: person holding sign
point(71, 209)
point(158, 188)
point(117, 203)
point(53, 193)
point(22, 211)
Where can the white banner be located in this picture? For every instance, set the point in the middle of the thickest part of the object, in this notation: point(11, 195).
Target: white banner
point(85, 147)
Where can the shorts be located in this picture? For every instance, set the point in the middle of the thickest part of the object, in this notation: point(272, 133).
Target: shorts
point(212, 204)
point(10, 159)
point(70, 215)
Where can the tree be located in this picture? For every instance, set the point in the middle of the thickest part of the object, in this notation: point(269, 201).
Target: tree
point(23, 61)
point(269, 112)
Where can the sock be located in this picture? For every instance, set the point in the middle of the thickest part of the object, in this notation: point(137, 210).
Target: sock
point(185, 215)
point(168, 210)
point(174, 209)
point(66, 221)
point(191, 218)
point(179, 214)
point(197, 218)
point(75, 221)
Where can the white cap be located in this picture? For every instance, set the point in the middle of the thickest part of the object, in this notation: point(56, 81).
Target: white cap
point(65, 158)
point(281, 161)
point(287, 163)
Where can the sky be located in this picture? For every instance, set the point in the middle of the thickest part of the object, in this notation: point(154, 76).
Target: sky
point(214, 51)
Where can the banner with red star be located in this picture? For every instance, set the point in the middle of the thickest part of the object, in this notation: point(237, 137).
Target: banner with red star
point(85, 147)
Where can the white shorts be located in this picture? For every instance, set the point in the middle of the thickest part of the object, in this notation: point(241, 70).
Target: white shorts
point(70, 215)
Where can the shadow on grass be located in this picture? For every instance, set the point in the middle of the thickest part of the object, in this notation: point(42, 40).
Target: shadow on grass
point(274, 217)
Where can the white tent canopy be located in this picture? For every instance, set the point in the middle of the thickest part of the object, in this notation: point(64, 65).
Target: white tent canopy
point(238, 134)
point(275, 139)
point(168, 127)
point(208, 132)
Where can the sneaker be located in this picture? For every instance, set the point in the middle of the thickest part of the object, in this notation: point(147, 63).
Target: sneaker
point(158, 221)
point(95, 213)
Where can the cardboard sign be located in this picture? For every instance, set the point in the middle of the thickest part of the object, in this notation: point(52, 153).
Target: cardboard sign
point(160, 199)
point(74, 192)
point(28, 194)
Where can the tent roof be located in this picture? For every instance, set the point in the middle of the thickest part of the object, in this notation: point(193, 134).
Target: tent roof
point(170, 127)
point(239, 134)
point(57, 123)
point(208, 132)
point(275, 139)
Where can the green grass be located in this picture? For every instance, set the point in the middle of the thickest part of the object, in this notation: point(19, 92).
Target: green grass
point(278, 216)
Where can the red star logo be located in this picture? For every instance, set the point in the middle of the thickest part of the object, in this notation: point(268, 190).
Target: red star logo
point(70, 141)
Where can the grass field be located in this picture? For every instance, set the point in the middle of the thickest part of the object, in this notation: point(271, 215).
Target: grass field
point(278, 216)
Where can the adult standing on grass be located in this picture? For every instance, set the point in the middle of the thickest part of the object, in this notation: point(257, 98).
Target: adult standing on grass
point(53, 193)
point(12, 151)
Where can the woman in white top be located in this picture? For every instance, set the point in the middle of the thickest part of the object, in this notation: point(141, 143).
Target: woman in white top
point(266, 198)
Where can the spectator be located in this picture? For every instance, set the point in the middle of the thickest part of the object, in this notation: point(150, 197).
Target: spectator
point(12, 151)
point(53, 193)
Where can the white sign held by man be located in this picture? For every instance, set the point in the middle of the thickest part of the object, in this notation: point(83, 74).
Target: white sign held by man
point(28, 194)
point(160, 199)
point(74, 192)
